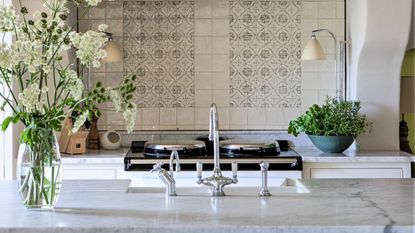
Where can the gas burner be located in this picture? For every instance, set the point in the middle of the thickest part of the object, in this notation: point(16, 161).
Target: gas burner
point(185, 148)
point(249, 148)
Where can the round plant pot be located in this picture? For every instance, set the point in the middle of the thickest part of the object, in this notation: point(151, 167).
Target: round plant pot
point(331, 144)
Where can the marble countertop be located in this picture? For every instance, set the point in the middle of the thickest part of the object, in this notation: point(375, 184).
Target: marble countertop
point(312, 154)
point(341, 206)
point(309, 155)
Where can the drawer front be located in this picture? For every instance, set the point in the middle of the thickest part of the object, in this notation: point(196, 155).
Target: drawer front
point(339, 173)
point(88, 174)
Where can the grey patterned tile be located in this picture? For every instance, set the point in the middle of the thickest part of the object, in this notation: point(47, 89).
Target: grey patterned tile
point(265, 41)
point(159, 48)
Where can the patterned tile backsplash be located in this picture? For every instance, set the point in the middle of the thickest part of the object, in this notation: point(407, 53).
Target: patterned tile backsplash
point(244, 55)
point(159, 48)
point(265, 45)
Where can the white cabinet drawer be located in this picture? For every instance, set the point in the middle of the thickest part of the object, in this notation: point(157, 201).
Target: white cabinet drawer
point(338, 173)
point(88, 174)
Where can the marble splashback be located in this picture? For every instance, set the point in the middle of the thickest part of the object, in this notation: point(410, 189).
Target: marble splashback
point(242, 55)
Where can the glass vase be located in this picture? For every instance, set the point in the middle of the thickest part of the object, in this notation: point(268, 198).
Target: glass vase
point(38, 171)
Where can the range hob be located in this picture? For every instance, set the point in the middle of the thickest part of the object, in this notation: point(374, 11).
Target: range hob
point(286, 159)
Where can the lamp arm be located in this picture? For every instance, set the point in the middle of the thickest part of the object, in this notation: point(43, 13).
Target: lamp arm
point(339, 86)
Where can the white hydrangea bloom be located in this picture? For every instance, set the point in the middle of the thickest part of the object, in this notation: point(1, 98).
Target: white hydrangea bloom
point(89, 47)
point(7, 57)
point(75, 86)
point(80, 121)
point(30, 98)
point(7, 18)
point(129, 116)
point(93, 2)
point(116, 100)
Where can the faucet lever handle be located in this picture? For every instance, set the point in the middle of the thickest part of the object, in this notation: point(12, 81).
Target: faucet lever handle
point(157, 167)
point(199, 168)
point(234, 170)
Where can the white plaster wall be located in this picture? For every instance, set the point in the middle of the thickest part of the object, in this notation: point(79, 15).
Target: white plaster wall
point(411, 43)
point(379, 31)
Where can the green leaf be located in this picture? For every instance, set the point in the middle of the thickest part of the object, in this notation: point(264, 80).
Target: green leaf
point(6, 123)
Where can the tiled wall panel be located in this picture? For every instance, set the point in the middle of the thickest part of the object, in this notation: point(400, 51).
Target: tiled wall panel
point(187, 57)
point(265, 43)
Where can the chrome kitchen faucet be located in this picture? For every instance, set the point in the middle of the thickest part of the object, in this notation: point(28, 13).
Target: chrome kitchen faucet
point(167, 177)
point(217, 181)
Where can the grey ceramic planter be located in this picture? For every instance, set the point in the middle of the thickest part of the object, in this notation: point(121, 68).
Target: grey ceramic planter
point(332, 144)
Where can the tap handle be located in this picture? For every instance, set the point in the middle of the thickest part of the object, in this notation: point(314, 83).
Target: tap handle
point(264, 166)
point(199, 168)
point(234, 170)
point(157, 167)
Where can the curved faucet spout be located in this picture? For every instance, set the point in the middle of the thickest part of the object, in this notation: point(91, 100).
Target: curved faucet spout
point(217, 181)
point(214, 134)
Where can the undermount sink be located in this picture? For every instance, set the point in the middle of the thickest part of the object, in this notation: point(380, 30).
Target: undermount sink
point(288, 186)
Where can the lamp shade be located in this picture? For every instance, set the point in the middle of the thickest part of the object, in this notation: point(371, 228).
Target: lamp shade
point(313, 50)
point(114, 52)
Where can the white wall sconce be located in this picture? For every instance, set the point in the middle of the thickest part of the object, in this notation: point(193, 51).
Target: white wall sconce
point(313, 51)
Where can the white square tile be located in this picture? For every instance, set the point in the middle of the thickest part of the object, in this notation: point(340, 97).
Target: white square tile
point(220, 27)
point(327, 80)
point(186, 116)
point(201, 116)
point(309, 10)
point(203, 27)
point(290, 114)
point(151, 116)
point(203, 45)
point(203, 83)
point(203, 9)
point(186, 127)
point(327, 9)
point(256, 117)
point(274, 117)
point(340, 10)
point(329, 24)
point(138, 120)
point(220, 63)
point(220, 81)
point(309, 97)
point(310, 81)
point(220, 45)
point(168, 127)
point(220, 9)
point(97, 12)
point(238, 116)
point(223, 115)
point(203, 62)
point(115, 27)
point(114, 10)
point(168, 116)
point(221, 98)
point(203, 98)
point(115, 118)
point(151, 127)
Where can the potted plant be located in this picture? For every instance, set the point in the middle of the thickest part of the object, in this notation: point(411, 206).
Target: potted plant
point(332, 127)
point(46, 90)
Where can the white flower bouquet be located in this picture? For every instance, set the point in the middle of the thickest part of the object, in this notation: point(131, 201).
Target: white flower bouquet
point(44, 90)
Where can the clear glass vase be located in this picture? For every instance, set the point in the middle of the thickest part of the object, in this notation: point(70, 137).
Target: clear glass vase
point(38, 171)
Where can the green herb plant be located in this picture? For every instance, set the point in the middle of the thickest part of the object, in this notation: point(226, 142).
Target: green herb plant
point(334, 118)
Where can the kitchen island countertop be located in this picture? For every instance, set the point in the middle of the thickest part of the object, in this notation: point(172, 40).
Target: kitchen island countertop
point(341, 206)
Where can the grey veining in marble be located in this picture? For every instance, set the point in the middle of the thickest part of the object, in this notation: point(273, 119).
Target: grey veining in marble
point(341, 206)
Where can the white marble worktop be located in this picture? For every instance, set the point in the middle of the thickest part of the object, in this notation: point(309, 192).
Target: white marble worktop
point(308, 153)
point(96, 157)
point(341, 206)
point(311, 154)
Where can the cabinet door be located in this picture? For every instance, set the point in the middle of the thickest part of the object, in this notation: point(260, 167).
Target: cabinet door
point(356, 170)
point(329, 173)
